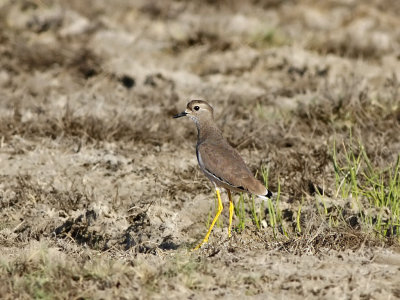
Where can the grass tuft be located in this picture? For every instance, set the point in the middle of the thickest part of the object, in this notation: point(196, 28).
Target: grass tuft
point(373, 191)
point(261, 216)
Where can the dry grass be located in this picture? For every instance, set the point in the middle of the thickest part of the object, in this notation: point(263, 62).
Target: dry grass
point(100, 196)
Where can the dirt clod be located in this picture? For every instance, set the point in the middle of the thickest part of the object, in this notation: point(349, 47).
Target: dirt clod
point(100, 193)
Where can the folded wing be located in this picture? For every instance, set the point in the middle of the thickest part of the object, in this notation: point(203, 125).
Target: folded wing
point(225, 163)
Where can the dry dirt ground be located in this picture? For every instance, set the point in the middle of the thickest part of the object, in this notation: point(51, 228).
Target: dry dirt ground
point(100, 193)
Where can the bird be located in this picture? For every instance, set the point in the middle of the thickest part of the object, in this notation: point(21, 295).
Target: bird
point(219, 161)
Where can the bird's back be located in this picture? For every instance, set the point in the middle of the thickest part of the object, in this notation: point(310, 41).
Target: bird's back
point(223, 162)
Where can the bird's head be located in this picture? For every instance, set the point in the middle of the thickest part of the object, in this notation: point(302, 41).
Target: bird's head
point(197, 110)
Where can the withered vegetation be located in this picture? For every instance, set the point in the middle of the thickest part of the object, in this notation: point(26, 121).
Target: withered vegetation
point(100, 195)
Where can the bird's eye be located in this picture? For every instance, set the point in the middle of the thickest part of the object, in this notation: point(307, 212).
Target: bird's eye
point(196, 107)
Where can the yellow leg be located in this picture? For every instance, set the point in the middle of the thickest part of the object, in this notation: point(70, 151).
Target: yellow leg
point(230, 212)
point(220, 207)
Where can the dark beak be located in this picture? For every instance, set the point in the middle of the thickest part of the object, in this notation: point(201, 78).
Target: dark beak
point(182, 114)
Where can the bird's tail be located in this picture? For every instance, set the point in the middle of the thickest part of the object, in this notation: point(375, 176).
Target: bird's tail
point(267, 196)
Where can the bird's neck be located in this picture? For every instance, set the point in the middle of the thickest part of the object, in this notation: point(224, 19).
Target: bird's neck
point(207, 130)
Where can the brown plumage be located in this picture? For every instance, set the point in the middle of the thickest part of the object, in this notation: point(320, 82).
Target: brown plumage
point(232, 176)
point(219, 161)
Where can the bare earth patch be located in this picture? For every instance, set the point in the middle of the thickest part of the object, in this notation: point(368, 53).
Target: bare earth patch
point(100, 193)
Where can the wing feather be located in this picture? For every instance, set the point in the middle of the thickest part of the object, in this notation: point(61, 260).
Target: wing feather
point(224, 162)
